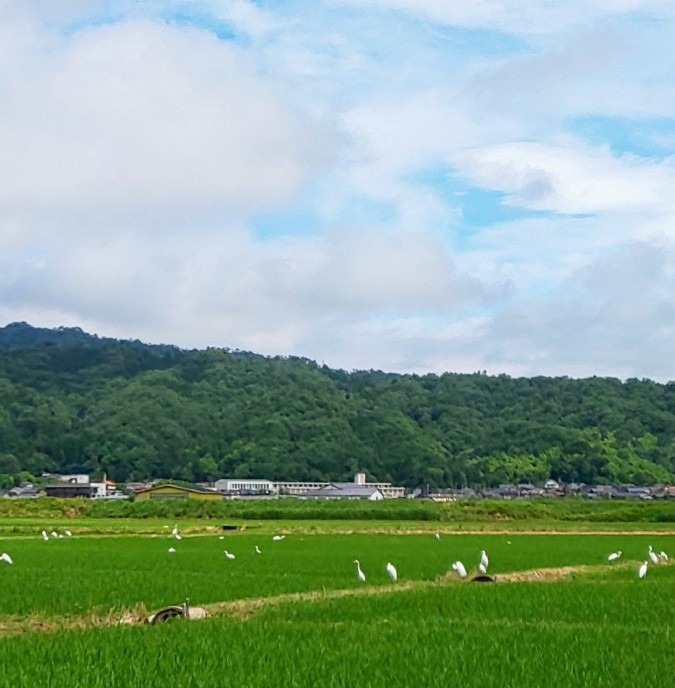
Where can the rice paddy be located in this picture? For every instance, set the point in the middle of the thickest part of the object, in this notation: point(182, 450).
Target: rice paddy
point(297, 615)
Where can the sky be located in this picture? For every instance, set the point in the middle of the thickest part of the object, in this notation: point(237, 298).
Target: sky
point(414, 186)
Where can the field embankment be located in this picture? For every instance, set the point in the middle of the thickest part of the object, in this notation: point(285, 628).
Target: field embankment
point(569, 510)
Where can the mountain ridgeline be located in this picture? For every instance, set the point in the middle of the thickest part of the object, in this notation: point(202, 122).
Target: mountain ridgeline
point(73, 402)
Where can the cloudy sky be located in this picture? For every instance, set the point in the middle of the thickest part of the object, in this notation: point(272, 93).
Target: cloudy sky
point(406, 185)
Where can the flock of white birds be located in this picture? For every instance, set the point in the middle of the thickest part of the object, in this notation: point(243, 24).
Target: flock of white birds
point(55, 535)
point(7, 559)
point(651, 556)
point(457, 566)
point(175, 534)
point(483, 564)
point(390, 568)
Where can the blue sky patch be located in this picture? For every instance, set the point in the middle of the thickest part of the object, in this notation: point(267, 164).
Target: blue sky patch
point(478, 207)
point(649, 138)
point(202, 20)
point(301, 219)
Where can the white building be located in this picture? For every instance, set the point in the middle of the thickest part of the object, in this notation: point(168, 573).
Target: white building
point(74, 479)
point(346, 491)
point(298, 489)
point(244, 485)
point(104, 489)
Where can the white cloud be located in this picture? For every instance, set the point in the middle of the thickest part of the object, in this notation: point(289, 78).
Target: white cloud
point(569, 180)
point(138, 150)
point(539, 16)
point(143, 115)
point(611, 68)
point(613, 317)
point(246, 17)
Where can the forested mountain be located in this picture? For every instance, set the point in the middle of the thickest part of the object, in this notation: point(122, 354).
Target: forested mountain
point(72, 402)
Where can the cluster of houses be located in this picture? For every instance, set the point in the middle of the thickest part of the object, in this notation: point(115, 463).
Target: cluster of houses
point(552, 488)
point(77, 485)
point(80, 485)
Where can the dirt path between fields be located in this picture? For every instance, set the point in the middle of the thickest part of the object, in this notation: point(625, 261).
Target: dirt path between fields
point(246, 608)
point(475, 531)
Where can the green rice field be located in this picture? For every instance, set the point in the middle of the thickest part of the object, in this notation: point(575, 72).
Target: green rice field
point(297, 615)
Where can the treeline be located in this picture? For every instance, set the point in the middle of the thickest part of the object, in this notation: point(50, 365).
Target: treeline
point(70, 402)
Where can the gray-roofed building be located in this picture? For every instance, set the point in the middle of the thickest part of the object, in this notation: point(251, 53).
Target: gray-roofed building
point(66, 490)
point(346, 491)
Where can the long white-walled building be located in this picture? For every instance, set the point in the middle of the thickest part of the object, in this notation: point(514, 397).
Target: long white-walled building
point(287, 487)
point(245, 484)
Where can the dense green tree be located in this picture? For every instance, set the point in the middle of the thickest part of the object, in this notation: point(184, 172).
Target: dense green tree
point(72, 402)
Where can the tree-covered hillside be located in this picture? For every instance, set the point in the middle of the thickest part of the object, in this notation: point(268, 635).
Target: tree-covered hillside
point(71, 402)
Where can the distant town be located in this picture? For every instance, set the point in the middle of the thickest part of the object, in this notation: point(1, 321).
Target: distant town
point(81, 485)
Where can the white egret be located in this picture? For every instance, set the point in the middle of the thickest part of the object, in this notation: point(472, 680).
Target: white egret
point(484, 560)
point(5, 557)
point(642, 571)
point(653, 556)
point(45, 536)
point(257, 550)
point(614, 556)
point(482, 568)
point(391, 570)
point(459, 567)
point(664, 556)
point(54, 534)
point(172, 550)
point(221, 537)
point(359, 573)
point(437, 536)
point(229, 555)
point(278, 537)
point(174, 533)
point(69, 534)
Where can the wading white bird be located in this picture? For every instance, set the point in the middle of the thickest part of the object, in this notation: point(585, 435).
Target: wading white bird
point(359, 573)
point(459, 567)
point(175, 533)
point(614, 556)
point(482, 568)
point(54, 534)
point(257, 550)
point(664, 556)
point(437, 536)
point(171, 550)
point(484, 561)
point(45, 536)
point(391, 570)
point(69, 534)
point(642, 571)
point(653, 556)
point(278, 537)
point(229, 555)
point(6, 558)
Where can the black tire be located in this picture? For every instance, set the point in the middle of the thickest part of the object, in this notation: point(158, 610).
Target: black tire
point(165, 614)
